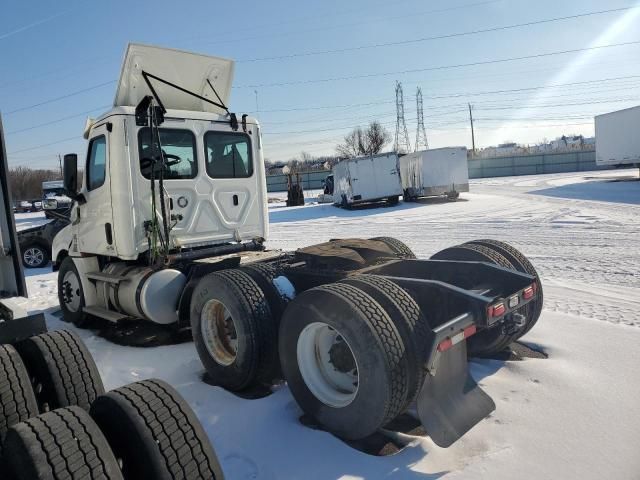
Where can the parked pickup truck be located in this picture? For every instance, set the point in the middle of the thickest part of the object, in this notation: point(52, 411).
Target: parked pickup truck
point(35, 243)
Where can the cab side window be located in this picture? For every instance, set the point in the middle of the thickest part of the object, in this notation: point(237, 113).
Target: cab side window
point(96, 163)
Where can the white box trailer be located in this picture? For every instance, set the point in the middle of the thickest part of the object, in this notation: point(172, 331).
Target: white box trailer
point(367, 179)
point(617, 139)
point(440, 171)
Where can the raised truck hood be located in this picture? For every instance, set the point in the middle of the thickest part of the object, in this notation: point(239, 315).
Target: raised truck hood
point(188, 70)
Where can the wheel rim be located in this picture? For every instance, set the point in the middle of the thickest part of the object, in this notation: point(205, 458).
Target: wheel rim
point(327, 365)
point(71, 295)
point(33, 256)
point(219, 332)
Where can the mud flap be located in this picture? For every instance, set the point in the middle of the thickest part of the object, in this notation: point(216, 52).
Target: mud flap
point(451, 402)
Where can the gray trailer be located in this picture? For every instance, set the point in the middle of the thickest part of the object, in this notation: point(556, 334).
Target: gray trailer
point(435, 172)
point(617, 139)
point(367, 179)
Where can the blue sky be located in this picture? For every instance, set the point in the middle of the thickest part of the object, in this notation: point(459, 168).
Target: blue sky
point(50, 50)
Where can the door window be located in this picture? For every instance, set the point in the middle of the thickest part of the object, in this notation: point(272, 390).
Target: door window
point(228, 155)
point(97, 163)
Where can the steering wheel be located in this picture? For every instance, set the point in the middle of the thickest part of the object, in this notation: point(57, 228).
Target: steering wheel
point(175, 159)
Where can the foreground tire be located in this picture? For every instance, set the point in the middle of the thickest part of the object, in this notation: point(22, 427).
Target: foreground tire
point(234, 331)
point(155, 434)
point(522, 264)
point(492, 340)
point(62, 371)
point(399, 248)
point(408, 319)
point(71, 294)
point(17, 400)
point(63, 444)
point(34, 256)
point(344, 360)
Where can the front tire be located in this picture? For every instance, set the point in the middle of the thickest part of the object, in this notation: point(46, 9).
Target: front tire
point(344, 360)
point(71, 294)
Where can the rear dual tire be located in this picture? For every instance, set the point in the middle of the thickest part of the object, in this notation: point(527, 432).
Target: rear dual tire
point(344, 360)
point(234, 330)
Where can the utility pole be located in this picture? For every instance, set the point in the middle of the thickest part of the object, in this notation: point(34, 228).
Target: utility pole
point(60, 163)
point(473, 136)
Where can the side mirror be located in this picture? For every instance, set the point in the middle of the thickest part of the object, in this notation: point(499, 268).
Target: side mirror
point(70, 175)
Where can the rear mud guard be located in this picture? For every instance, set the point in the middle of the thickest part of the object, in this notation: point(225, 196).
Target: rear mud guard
point(450, 402)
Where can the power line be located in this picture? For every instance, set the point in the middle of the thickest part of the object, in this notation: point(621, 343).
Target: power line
point(437, 37)
point(233, 39)
point(77, 92)
point(58, 120)
point(440, 67)
point(44, 145)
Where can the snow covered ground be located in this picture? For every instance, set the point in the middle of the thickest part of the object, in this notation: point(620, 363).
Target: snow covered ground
point(575, 415)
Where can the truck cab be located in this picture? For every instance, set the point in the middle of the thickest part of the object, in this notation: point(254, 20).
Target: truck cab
point(213, 186)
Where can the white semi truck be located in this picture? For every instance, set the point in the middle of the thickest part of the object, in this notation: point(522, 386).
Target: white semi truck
point(617, 139)
point(168, 226)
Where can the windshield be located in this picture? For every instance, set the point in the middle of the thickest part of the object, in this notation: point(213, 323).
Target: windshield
point(54, 192)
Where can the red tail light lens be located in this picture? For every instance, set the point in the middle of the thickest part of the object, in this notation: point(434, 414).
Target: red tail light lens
point(529, 292)
point(496, 310)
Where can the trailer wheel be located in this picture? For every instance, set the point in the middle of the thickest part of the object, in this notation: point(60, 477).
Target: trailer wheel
point(492, 340)
point(522, 264)
point(17, 400)
point(154, 433)
point(62, 371)
point(63, 444)
point(71, 294)
point(408, 319)
point(344, 360)
point(234, 331)
point(399, 248)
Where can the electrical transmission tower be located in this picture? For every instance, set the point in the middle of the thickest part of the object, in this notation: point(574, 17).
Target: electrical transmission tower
point(421, 133)
point(402, 137)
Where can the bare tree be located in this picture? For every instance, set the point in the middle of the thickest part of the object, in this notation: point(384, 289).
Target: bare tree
point(26, 183)
point(367, 141)
point(377, 138)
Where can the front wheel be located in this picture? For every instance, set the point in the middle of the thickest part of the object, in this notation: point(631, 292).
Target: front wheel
point(71, 294)
point(35, 256)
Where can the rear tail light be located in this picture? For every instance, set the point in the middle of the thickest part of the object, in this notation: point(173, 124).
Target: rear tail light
point(496, 310)
point(449, 342)
point(529, 292)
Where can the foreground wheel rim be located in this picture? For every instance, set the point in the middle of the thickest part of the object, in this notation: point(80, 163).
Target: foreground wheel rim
point(33, 256)
point(219, 332)
point(71, 291)
point(327, 365)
